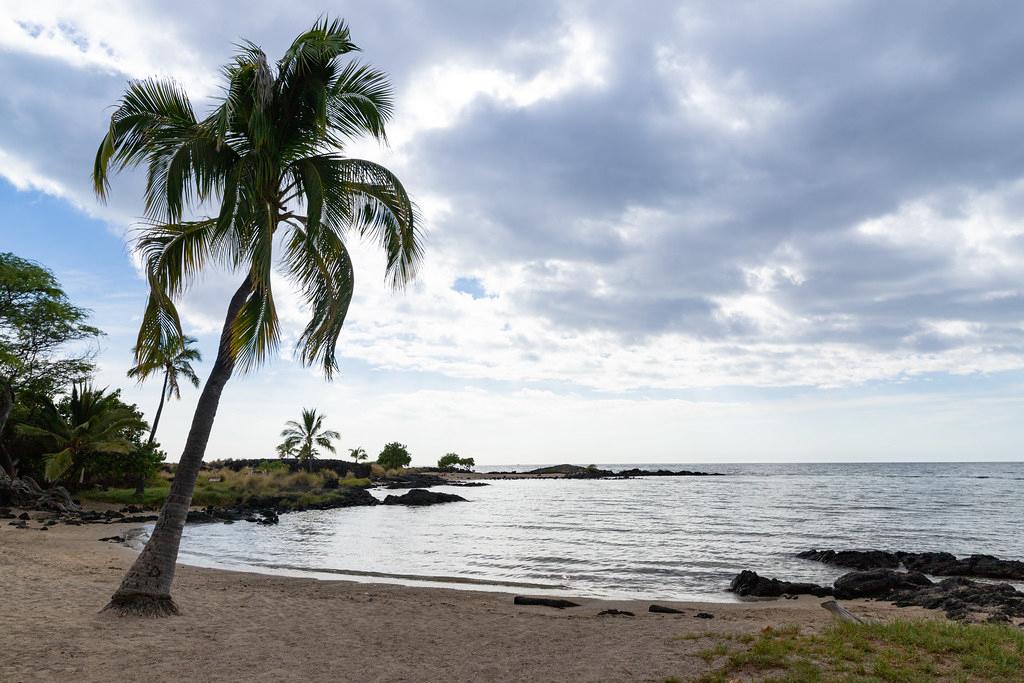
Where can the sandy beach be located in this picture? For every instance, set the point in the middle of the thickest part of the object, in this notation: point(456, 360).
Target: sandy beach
point(248, 627)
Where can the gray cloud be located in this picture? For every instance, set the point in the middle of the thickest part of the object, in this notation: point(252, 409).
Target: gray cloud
point(726, 144)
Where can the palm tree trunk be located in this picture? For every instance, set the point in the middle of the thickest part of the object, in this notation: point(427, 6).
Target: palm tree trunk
point(159, 409)
point(146, 588)
point(140, 485)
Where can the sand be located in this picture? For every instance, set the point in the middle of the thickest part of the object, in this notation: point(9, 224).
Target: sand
point(248, 627)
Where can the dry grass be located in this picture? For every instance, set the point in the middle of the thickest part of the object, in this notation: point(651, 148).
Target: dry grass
point(227, 487)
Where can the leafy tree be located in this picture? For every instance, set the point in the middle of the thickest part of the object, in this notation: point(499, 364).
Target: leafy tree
point(174, 359)
point(38, 324)
point(302, 440)
point(88, 424)
point(358, 454)
point(394, 455)
point(452, 461)
point(272, 146)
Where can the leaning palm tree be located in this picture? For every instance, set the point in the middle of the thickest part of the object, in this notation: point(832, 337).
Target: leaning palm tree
point(91, 423)
point(173, 359)
point(302, 440)
point(269, 158)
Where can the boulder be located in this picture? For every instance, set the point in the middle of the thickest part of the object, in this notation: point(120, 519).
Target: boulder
point(748, 583)
point(877, 583)
point(419, 497)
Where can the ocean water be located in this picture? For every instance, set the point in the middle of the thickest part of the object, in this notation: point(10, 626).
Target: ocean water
point(678, 538)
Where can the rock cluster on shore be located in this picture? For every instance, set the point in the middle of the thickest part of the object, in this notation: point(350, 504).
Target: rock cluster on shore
point(936, 564)
point(878, 577)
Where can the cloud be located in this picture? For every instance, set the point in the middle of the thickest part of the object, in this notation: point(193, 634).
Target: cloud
point(793, 195)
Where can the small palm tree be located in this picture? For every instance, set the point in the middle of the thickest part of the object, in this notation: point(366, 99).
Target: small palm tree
point(358, 454)
point(270, 155)
point(175, 360)
point(302, 440)
point(91, 423)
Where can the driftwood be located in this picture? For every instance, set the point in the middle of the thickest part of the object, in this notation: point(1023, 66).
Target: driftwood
point(544, 602)
point(659, 609)
point(841, 613)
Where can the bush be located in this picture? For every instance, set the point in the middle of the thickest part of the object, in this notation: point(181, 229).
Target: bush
point(451, 462)
point(395, 455)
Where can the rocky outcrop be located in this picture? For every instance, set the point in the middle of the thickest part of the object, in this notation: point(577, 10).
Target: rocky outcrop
point(981, 566)
point(854, 559)
point(959, 597)
point(591, 472)
point(750, 584)
point(420, 497)
point(936, 564)
point(877, 583)
point(25, 493)
point(666, 473)
point(964, 599)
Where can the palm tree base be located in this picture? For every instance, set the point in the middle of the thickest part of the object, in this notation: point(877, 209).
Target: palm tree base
point(141, 605)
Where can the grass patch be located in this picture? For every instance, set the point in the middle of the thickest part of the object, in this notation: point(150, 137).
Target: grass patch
point(223, 487)
point(896, 652)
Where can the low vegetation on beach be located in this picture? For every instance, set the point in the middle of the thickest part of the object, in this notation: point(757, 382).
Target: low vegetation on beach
point(897, 651)
point(225, 486)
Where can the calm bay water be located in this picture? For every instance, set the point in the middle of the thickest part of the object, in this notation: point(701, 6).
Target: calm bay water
point(671, 537)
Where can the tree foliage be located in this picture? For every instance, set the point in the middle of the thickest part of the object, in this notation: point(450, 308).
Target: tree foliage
point(452, 461)
point(358, 454)
point(394, 455)
point(271, 153)
point(84, 428)
point(43, 344)
point(304, 439)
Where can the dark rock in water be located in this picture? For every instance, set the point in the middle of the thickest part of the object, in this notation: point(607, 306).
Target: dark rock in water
point(981, 566)
point(414, 481)
point(420, 497)
point(544, 602)
point(661, 609)
point(666, 473)
point(854, 559)
point(877, 583)
point(112, 539)
point(936, 564)
point(572, 470)
point(615, 612)
point(24, 515)
point(748, 583)
point(703, 615)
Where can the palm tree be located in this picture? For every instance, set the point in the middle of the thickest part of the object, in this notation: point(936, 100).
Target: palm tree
point(173, 359)
point(92, 423)
point(270, 149)
point(302, 439)
point(357, 454)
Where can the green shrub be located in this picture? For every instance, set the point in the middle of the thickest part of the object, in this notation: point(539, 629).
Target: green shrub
point(394, 456)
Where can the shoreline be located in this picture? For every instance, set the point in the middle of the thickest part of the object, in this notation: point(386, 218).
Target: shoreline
point(248, 626)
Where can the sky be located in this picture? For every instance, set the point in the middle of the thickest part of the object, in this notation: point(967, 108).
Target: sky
point(669, 232)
